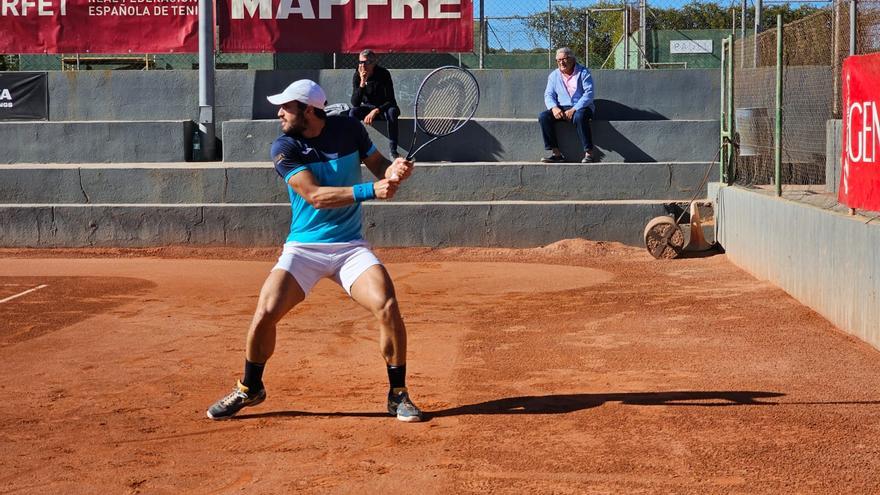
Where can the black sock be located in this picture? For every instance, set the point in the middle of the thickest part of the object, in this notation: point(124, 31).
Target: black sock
point(397, 376)
point(253, 376)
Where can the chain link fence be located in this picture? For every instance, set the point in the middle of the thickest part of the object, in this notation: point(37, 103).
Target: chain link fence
point(813, 49)
point(507, 34)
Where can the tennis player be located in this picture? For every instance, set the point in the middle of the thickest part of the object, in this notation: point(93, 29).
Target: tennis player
point(319, 157)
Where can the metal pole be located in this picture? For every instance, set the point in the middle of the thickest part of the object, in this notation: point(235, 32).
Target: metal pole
point(758, 8)
point(733, 22)
point(853, 13)
point(206, 78)
point(742, 29)
point(722, 159)
point(550, 34)
point(643, 33)
point(731, 122)
point(482, 33)
point(777, 151)
point(587, 39)
point(835, 57)
point(626, 37)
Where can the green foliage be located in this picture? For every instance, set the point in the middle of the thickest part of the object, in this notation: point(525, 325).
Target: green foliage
point(8, 62)
point(606, 28)
point(568, 29)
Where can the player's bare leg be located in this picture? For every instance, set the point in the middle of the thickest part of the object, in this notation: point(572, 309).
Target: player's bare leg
point(280, 294)
point(374, 290)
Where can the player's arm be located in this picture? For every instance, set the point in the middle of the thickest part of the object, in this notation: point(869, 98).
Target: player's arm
point(320, 197)
point(400, 169)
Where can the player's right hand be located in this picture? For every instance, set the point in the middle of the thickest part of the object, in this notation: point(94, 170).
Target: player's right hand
point(400, 169)
point(558, 114)
point(386, 188)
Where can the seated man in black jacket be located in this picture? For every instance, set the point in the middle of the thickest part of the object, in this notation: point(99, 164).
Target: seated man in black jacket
point(372, 96)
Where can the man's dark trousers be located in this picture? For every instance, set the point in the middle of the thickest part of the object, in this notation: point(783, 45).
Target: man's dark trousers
point(581, 121)
point(391, 115)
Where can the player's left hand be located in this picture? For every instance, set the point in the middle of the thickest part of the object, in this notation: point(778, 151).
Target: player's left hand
point(399, 170)
point(569, 114)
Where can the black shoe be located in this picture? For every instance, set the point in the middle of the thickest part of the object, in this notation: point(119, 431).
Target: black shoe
point(589, 157)
point(553, 159)
point(400, 405)
point(238, 399)
point(394, 154)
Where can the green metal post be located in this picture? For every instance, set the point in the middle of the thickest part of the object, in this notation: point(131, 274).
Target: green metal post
point(777, 152)
point(728, 132)
point(722, 157)
point(731, 122)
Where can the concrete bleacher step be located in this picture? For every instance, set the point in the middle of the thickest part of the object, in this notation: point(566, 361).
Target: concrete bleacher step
point(257, 182)
point(508, 139)
point(471, 223)
point(96, 141)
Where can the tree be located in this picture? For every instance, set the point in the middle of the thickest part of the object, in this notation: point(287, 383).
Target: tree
point(568, 29)
point(606, 28)
point(8, 62)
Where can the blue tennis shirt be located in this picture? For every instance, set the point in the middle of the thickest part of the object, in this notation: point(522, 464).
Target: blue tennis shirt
point(334, 158)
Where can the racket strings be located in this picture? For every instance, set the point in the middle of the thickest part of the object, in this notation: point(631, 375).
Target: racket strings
point(446, 102)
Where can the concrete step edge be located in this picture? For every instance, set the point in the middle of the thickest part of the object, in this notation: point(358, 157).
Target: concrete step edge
point(370, 204)
point(267, 164)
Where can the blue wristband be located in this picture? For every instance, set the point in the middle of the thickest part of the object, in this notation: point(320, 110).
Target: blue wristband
point(363, 192)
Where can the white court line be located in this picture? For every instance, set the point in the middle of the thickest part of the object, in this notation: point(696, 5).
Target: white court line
point(23, 293)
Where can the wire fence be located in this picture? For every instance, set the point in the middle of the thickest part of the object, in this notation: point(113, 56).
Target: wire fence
point(625, 34)
point(813, 49)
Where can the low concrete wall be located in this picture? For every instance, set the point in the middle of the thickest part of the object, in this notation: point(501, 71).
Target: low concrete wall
point(514, 140)
point(508, 224)
point(91, 142)
point(826, 259)
point(502, 224)
point(241, 94)
point(259, 183)
point(143, 225)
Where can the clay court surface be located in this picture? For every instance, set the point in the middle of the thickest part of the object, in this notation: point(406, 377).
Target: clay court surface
point(574, 368)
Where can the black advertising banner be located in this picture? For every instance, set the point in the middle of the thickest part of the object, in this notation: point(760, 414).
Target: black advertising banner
point(24, 96)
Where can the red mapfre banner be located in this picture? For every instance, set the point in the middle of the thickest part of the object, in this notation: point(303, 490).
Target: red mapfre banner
point(345, 26)
point(99, 26)
point(860, 176)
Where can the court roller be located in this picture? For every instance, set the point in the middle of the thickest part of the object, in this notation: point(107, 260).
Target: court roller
point(664, 238)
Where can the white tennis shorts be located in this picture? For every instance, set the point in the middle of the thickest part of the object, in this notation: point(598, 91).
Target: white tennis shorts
point(342, 262)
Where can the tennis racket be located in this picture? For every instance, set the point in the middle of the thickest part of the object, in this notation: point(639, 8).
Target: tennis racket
point(446, 100)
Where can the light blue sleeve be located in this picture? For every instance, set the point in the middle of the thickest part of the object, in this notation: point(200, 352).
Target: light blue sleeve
point(586, 81)
point(550, 97)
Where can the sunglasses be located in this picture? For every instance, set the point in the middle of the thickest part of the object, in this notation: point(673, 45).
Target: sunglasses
point(364, 62)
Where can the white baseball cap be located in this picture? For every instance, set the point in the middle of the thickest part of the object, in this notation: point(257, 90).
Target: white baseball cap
point(304, 91)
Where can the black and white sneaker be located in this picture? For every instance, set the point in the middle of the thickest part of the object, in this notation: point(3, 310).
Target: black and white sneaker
point(553, 159)
point(238, 399)
point(400, 405)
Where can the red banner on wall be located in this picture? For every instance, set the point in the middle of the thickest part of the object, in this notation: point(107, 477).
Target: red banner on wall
point(346, 26)
point(99, 26)
point(860, 175)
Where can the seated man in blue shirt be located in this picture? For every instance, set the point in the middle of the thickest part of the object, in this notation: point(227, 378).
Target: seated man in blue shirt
point(568, 97)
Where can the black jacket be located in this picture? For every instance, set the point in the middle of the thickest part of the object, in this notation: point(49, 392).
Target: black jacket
point(378, 92)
